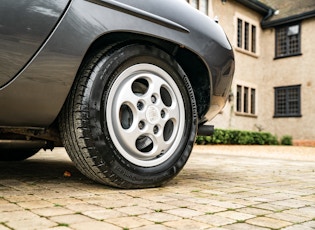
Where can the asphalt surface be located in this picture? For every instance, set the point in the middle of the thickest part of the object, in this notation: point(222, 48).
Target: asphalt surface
point(221, 187)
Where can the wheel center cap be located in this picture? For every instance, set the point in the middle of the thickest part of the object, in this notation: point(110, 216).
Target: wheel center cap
point(153, 114)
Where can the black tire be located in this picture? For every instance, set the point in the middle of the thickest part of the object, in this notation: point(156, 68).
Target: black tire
point(16, 154)
point(130, 120)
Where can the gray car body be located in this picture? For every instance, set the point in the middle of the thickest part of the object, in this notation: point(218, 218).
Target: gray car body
point(43, 44)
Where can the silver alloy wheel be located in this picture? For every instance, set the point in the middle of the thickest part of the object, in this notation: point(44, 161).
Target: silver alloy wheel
point(145, 115)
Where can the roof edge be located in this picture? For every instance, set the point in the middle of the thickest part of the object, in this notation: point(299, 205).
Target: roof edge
point(256, 6)
point(259, 7)
point(287, 20)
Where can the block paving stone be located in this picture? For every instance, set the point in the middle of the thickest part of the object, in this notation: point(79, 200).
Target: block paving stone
point(220, 188)
point(269, 222)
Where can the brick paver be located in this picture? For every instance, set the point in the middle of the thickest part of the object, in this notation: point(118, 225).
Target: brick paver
point(221, 187)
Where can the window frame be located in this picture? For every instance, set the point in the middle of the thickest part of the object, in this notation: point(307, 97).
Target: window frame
point(287, 114)
point(244, 103)
point(287, 41)
point(246, 35)
point(199, 4)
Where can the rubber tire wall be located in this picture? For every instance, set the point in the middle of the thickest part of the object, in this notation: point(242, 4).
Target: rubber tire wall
point(83, 125)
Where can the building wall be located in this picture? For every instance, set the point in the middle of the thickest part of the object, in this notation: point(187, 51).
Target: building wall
point(248, 67)
point(290, 71)
point(264, 72)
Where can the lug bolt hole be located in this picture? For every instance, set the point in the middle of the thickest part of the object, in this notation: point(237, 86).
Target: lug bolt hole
point(141, 125)
point(153, 99)
point(163, 114)
point(156, 129)
point(140, 105)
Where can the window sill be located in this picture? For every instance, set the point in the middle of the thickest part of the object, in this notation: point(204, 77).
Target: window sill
point(287, 116)
point(246, 114)
point(255, 55)
point(287, 56)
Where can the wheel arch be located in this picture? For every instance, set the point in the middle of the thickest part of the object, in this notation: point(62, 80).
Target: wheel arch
point(196, 70)
point(193, 66)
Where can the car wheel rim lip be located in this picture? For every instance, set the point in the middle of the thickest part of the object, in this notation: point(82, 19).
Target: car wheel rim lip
point(146, 128)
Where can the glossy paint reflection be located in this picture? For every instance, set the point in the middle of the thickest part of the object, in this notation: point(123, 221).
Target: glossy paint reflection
point(24, 26)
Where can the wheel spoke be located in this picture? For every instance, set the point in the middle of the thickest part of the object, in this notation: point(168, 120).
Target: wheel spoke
point(174, 113)
point(126, 96)
point(155, 85)
point(162, 145)
point(129, 138)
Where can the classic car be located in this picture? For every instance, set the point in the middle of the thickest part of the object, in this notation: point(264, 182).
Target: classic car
point(124, 85)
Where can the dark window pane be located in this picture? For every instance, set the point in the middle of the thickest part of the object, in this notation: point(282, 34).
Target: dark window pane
point(246, 36)
point(239, 32)
point(245, 99)
point(239, 99)
point(254, 39)
point(281, 42)
point(292, 93)
point(293, 44)
point(252, 101)
point(293, 107)
point(287, 40)
point(287, 101)
point(281, 101)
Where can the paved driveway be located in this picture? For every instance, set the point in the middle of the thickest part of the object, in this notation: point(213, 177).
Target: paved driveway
point(221, 187)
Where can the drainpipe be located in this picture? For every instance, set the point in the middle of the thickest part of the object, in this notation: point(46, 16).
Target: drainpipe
point(269, 14)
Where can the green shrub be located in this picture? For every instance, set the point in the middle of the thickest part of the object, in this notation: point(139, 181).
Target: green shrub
point(286, 140)
point(237, 137)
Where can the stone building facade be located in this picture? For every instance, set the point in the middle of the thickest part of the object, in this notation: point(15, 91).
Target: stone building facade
point(274, 80)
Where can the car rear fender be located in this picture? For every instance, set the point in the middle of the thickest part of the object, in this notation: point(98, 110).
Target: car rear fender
point(38, 93)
